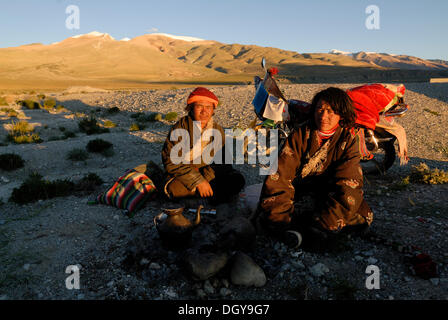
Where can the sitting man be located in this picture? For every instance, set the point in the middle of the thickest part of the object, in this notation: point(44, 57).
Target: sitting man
point(218, 182)
point(320, 163)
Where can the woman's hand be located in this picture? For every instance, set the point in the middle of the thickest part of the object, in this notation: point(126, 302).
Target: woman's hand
point(204, 189)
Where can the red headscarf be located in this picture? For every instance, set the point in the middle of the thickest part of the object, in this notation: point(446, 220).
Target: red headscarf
point(202, 94)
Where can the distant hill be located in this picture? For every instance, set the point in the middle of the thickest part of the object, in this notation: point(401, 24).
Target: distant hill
point(97, 58)
point(395, 61)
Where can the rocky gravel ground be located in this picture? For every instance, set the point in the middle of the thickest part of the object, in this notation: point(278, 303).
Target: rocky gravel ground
point(123, 258)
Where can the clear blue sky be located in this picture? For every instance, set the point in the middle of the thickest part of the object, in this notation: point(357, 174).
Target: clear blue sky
point(413, 27)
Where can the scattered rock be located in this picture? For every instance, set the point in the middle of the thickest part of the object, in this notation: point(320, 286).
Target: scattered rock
point(26, 266)
point(358, 258)
point(215, 283)
point(224, 292)
point(144, 261)
point(154, 266)
point(435, 281)
point(372, 260)
point(298, 264)
point(205, 265)
point(246, 272)
point(200, 293)
point(368, 253)
point(319, 270)
point(208, 288)
point(225, 283)
point(170, 293)
point(285, 267)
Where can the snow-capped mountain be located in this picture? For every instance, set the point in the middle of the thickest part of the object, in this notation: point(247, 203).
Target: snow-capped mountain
point(94, 34)
point(388, 60)
point(345, 53)
point(184, 38)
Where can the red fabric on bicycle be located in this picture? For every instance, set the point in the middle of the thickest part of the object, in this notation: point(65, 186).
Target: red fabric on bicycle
point(368, 101)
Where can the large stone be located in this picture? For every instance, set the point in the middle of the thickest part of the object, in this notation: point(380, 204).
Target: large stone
point(204, 265)
point(246, 272)
point(238, 234)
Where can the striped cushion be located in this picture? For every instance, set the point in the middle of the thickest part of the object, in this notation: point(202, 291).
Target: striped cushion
point(129, 192)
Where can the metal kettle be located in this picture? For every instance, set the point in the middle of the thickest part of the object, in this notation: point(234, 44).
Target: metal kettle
point(174, 228)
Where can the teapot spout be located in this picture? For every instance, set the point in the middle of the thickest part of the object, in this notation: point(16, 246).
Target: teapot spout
point(198, 216)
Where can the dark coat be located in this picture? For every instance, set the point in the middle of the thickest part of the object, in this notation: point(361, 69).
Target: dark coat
point(334, 169)
point(190, 174)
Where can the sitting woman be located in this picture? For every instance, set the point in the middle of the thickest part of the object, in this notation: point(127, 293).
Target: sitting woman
point(217, 181)
point(317, 189)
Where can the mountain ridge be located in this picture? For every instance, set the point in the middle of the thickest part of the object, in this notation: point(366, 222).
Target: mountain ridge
point(152, 58)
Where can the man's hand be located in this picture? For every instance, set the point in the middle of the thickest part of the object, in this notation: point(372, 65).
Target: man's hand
point(204, 189)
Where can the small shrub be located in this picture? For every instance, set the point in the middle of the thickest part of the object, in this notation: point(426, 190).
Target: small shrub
point(62, 129)
point(113, 110)
point(36, 188)
point(29, 104)
point(109, 124)
point(22, 132)
point(90, 126)
point(3, 102)
point(50, 104)
point(403, 184)
point(171, 116)
point(423, 174)
point(69, 134)
point(11, 161)
point(99, 146)
point(25, 139)
point(89, 182)
point(41, 96)
point(21, 127)
point(60, 108)
point(10, 112)
point(155, 117)
point(77, 155)
point(136, 127)
point(431, 112)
